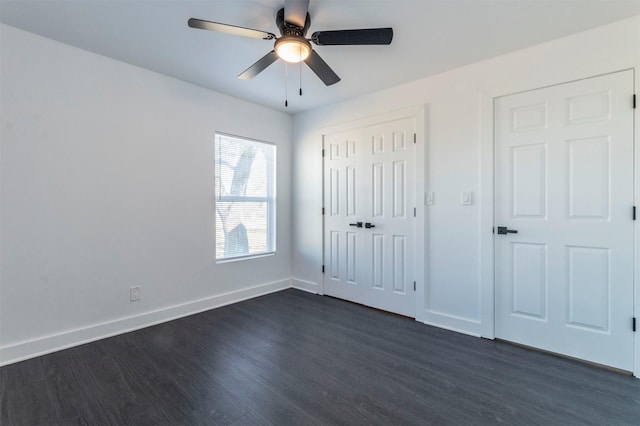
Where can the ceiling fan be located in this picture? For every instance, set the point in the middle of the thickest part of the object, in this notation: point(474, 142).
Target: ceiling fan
point(293, 21)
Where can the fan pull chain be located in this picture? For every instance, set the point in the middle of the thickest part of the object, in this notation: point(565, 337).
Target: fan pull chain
point(300, 72)
point(286, 91)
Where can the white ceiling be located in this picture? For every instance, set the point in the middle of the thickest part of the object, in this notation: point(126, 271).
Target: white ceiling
point(430, 36)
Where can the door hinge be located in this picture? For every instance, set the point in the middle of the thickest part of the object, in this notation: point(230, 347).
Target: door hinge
point(323, 211)
point(323, 152)
point(633, 324)
point(634, 101)
point(414, 212)
point(415, 138)
point(414, 286)
point(323, 269)
point(634, 212)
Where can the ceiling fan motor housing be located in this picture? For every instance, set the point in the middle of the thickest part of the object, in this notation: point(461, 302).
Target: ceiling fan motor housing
point(288, 29)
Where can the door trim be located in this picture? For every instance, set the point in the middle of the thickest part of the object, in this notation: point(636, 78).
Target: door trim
point(487, 200)
point(419, 114)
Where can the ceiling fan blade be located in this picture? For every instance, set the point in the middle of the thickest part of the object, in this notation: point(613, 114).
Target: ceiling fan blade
point(229, 29)
point(353, 37)
point(295, 12)
point(259, 66)
point(322, 70)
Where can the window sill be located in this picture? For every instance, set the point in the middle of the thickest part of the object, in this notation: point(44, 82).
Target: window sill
point(240, 258)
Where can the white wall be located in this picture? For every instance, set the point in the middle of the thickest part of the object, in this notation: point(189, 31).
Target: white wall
point(107, 181)
point(458, 293)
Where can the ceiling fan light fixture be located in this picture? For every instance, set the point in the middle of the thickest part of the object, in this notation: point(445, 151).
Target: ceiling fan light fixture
point(293, 49)
point(293, 21)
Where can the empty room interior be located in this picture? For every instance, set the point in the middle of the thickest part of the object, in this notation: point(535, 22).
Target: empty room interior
point(190, 233)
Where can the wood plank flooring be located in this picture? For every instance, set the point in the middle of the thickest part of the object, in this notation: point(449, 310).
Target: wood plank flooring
point(296, 358)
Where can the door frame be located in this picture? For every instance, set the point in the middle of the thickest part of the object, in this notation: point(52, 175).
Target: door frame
point(487, 187)
point(419, 114)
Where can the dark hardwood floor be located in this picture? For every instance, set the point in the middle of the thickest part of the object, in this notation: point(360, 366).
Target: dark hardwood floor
point(297, 358)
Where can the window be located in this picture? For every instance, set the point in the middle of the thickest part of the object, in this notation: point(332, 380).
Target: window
point(245, 197)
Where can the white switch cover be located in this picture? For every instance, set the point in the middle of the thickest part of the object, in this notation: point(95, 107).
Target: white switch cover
point(428, 198)
point(466, 198)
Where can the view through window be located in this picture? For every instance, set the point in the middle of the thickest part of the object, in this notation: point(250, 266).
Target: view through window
point(245, 197)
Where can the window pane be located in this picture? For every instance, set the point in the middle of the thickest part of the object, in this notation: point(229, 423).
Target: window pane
point(245, 197)
point(258, 185)
point(243, 168)
point(245, 230)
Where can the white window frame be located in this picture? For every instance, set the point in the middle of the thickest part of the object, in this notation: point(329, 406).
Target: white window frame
point(270, 199)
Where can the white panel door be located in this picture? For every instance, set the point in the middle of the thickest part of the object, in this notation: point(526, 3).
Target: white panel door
point(564, 182)
point(369, 237)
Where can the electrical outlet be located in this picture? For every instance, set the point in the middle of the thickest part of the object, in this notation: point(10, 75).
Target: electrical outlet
point(134, 293)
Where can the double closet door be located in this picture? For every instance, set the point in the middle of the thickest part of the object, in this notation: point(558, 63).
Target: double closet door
point(369, 221)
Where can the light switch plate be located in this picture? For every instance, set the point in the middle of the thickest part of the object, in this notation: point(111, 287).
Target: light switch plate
point(428, 198)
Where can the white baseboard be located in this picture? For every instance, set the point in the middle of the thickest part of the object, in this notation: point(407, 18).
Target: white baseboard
point(452, 323)
point(303, 285)
point(43, 345)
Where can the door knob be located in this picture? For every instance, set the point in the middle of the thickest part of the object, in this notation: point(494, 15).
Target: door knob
point(503, 230)
point(357, 224)
point(368, 225)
